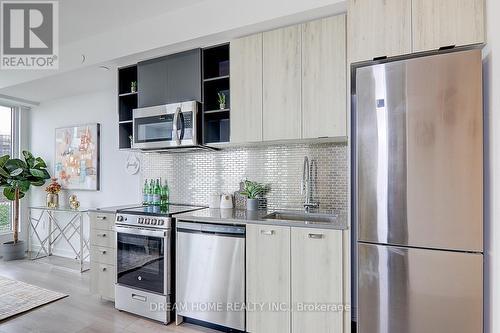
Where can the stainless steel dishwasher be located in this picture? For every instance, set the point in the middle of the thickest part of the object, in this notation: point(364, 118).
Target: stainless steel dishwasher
point(210, 278)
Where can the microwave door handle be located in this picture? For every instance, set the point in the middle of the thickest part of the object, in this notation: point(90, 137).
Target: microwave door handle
point(174, 125)
point(183, 125)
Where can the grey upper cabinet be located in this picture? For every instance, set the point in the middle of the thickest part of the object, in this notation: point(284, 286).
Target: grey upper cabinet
point(282, 84)
point(170, 79)
point(152, 82)
point(184, 76)
point(246, 89)
point(379, 28)
point(324, 101)
point(447, 22)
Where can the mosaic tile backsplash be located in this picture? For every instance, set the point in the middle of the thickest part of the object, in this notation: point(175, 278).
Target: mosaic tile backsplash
point(194, 176)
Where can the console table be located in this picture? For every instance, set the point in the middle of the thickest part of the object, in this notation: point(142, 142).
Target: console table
point(71, 228)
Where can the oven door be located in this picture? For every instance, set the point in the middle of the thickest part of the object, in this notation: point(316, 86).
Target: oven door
point(165, 126)
point(143, 259)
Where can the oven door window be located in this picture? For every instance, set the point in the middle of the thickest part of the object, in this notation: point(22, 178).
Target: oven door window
point(140, 262)
point(151, 129)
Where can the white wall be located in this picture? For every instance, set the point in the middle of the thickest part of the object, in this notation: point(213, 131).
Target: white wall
point(492, 171)
point(116, 186)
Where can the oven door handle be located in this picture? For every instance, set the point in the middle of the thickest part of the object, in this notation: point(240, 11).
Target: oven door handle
point(140, 231)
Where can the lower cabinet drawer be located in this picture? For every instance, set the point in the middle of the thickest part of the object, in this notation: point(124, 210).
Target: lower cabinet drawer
point(102, 280)
point(103, 255)
point(99, 237)
point(104, 221)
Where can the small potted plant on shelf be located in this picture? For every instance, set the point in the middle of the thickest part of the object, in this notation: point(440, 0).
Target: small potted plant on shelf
point(133, 86)
point(222, 100)
point(253, 190)
point(16, 177)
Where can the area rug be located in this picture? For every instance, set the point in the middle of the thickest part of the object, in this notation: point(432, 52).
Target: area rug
point(17, 297)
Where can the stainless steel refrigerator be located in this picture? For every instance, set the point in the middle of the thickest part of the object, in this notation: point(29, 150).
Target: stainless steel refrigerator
point(418, 193)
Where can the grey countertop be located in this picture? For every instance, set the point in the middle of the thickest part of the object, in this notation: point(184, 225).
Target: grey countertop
point(243, 217)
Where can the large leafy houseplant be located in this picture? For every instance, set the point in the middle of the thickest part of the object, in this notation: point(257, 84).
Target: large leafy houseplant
point(16, 177)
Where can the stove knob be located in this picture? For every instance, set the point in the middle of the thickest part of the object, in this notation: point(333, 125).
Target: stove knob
point(147, 220)
point(153, 221)
point(119, 218)
point(140, 220)
point(161, 222)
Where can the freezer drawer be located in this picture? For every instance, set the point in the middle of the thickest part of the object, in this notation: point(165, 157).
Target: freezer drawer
point(417, 290)
point(211, 273)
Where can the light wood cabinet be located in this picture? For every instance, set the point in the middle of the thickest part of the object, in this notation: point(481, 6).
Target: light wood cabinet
point(317, 275)
point(447, 22)
point(324, 101)
point(246, 89)
point(268, 277)
point(379, 28)
point(102, 255)
point(282, 84)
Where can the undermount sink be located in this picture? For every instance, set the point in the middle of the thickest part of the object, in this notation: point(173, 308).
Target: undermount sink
point(302, 217)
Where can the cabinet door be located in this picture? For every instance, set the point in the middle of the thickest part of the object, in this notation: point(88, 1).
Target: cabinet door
point(317, 277)
point(268, 278)
point(281, 84)
point(184, 76)
point(379, 28)
point(246, 89)
point(447, 22)
point(324, 99)
point(152, 82)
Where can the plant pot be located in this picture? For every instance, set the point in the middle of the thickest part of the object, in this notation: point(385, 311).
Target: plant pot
point(252, 204)
point(52, 200)
point(222, 106)
point(11, 251)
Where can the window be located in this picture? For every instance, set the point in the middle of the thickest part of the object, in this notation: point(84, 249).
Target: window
point(5, 149)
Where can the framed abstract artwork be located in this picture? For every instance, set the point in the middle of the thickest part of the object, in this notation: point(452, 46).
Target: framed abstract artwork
point(77, 157)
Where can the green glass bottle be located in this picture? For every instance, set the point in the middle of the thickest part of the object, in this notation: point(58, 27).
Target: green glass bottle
point(164, 194)
point(156, 193)
point(145, 193)
point(150, 191)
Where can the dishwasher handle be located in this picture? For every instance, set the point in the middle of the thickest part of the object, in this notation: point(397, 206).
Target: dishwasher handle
point(216, 229)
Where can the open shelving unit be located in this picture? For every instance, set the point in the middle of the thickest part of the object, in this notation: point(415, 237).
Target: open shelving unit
point(215, 79)
point(127, 102)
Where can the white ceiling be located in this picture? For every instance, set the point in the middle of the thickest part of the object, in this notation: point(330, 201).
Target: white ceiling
point(84, 18)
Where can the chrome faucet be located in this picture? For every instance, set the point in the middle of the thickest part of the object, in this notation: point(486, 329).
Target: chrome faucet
point(306, 185)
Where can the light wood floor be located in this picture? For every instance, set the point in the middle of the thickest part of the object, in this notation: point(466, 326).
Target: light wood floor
point(80, 312)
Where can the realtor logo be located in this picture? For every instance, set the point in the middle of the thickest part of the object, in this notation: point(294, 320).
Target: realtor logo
point(29, 35)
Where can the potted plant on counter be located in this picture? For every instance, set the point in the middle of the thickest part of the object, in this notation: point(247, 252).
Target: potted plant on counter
point(16, 177)
point(253, 190)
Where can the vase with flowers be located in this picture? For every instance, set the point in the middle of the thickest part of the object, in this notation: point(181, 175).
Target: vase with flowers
point(53, 193)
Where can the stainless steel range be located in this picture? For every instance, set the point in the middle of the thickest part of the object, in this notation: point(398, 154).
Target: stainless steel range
point(144, 260)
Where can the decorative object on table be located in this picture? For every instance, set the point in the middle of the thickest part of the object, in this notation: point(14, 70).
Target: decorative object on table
point(16, 177)
point(17, 297)
point(222, 100)
point(226, 201)
point(77, 157)
point(73, 202)
point(133, 86)
point(133, 164)
point(253, 191)
point(214, 200)
point(53, 193)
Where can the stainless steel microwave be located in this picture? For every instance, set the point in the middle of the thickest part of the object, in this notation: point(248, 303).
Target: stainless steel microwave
point(167, 126)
